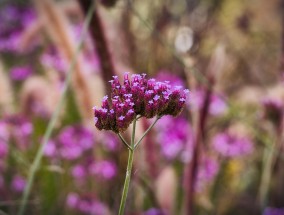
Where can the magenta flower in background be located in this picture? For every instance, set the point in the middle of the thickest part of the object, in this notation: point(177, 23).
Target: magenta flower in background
point(229, 145)
point(86, 204)
point(20, 73)
point(18, 183)
point(154, 211)
point(217, 105)
point(208, 169)
point(21, 130)
point(51, 58)
point(73, 141)
point(50, 149)
point(138, 96)
point(110, 141)
point(172, 135)
point(72, 200)
point(79, 172)
point(273, 211)
point(103, 169)
point(14, 21)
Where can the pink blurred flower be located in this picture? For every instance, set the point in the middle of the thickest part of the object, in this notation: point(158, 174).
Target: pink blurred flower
point(50, 149)
point(208, 169)
point(273, 211)
point(20, 73)
point(73, 141)
point(217, 105)
point(72, 200)
point(172, 135)
point(18, 183)
point(103, 169)
point(230, 145)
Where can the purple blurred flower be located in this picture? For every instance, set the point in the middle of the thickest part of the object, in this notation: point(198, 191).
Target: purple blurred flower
point(138, 96)
point(154, 211)
point(18, 183)
point(72, 200)
point(173, 135)
point(230, 145)
point(273, 211)
point(21, 130)
point(52, 58)
point(217, 105)
point(20, 73)
point(73, 141)
point(79, 171)
point(86, 204)
point(103, 169)
point(110, 141)
point(207, 171)
point(14, 21)
point(50, 149)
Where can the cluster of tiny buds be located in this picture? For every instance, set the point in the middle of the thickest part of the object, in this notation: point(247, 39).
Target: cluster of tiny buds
point(138, 97)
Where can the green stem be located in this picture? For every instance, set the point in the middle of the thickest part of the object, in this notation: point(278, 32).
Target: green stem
point(146, 132)
point(37, 161)
point(268, 163)
point(128, 172)
point(124, 141)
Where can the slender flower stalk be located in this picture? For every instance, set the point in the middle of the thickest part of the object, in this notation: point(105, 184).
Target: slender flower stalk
point(37, 161)
point(134, 99)
point(128, 172)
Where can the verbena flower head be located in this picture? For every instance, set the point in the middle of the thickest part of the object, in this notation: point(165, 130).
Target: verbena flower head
point(138, 96)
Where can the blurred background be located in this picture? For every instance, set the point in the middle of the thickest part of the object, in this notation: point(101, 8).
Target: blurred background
point(222, 156)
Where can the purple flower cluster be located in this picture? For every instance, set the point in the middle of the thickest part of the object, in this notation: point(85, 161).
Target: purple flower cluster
point(209, 167)
point(154, 211)
point(20, 73)
point(20, 130)
point(17, 130)
point(138, 96)
point(173, 135)
point(105, 170)
point(232, 146)
point(14, 21)
point(86, 204)
point(71, 143)
point(273, 211)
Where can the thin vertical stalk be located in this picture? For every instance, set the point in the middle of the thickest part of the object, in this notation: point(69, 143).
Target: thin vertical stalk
point(191, 169)
point(128, 172)
point(37, 161)
point(97, 33)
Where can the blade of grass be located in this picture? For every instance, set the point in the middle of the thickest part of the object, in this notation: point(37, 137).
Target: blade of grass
point(37, 161)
